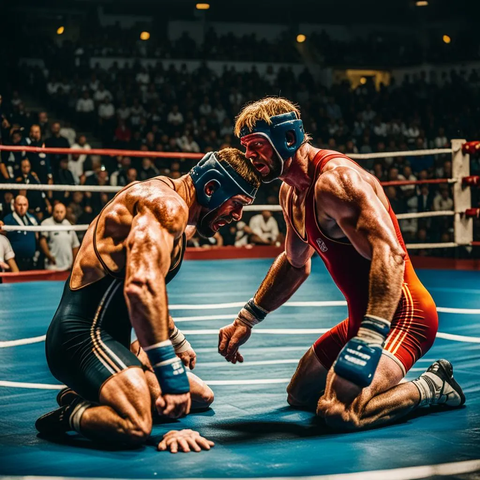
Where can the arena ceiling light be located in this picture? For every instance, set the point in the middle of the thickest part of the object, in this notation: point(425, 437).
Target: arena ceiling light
point(145, 36)
point(202, 6)
point(301, 38)
point(421, 3)
point(60, 30)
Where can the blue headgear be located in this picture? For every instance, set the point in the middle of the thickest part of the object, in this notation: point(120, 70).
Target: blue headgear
point(230, 183)
point(276, 133)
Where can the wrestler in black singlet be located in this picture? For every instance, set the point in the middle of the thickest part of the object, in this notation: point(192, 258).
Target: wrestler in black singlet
point(88, 340)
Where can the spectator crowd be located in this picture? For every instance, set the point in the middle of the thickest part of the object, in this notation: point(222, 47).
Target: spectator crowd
point(157, 109)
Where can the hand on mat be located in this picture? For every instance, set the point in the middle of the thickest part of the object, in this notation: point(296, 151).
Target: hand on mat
point(173, 405)
point(230, 338)
point(188, 358)
point(185, 440)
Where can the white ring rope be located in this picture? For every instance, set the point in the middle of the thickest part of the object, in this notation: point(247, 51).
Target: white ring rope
point(60, 188)
point(111, 189)
point(82, 228)
point(251, 208)
point(439, 213)
point(419, 246)
point(406, 153)
point(45, 228)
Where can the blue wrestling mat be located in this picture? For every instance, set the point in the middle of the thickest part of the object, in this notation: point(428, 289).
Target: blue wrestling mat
point(256, 433)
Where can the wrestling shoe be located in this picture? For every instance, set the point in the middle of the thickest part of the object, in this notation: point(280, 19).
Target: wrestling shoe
point(59, 421)
point(66, 396)
point(438, 387)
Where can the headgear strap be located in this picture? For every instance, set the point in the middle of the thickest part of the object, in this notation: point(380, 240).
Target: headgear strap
point(229, 181)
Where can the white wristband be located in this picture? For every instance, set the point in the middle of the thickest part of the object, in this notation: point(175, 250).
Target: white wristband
point(179, 342)
point(251, 314)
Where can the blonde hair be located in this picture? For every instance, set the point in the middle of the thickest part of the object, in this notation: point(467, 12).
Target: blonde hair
point(239, 162)
point(262, 110)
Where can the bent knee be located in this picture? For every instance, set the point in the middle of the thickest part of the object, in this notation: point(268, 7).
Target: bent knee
point(204, 398)
point(294, 401)
point(207, 396)
point(337, 417)
point(292, 394)
point(297, 398)
point(138, 429)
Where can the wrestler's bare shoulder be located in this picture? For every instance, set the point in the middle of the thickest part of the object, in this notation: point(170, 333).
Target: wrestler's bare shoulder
point(345, 183)
point(343, 177)
point(107, 236)
point(151, 197)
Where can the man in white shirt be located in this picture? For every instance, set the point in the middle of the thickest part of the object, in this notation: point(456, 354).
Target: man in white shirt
point(142, 77)
point(102, 93)
point(85, 104)
point(368, 114)
point(68, 132)
point(60, 248)
point(106, 110)
point(408, 175)
point(175, 117)
point(7, 256)
point(75, 162)
point(441, 140)
point(443, 201)
point(85, 109)
point(123, 112)
point(264, 229)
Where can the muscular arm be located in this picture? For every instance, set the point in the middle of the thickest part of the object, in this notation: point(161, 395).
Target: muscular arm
point(149, 247)
point(289, 270)
point(351, 201)
point(282, 281)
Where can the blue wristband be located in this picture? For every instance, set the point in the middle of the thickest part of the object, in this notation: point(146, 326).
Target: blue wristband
point(357, 362)
point(168, 368)
point(359, 358)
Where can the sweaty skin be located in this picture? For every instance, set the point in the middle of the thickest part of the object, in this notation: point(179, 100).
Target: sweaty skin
point(145, 223)
point(138, 236)
point(115, 225)
point(350, 207)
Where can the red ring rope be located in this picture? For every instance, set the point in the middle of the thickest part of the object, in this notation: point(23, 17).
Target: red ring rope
point(101, 151)
point(395, 183)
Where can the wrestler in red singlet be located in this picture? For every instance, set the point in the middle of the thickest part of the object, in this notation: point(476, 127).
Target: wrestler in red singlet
point(351, 377)
point(415, 323)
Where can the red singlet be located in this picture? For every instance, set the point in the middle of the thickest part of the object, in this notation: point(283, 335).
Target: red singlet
point(415, 322)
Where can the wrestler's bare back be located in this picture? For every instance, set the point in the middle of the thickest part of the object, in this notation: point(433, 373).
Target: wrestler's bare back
point(113, 227)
